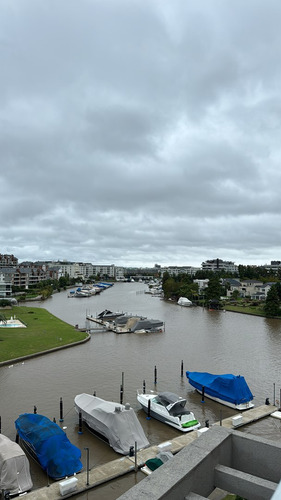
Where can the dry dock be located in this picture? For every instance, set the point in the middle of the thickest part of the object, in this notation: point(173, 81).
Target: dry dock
point(117, 468)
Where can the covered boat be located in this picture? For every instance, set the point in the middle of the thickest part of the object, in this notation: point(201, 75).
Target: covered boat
point(49, 445)
point(230, 390)
point(14, 468)
point(184, 301)
point(169, 409)
point(115, 423)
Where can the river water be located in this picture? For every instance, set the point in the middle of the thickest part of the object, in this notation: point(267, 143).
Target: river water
point(212, 341)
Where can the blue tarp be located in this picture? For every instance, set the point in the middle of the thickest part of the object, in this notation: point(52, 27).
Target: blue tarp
point(55, 453)
point(228, 387)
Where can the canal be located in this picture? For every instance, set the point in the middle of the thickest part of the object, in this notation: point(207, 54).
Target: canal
point(213, 341)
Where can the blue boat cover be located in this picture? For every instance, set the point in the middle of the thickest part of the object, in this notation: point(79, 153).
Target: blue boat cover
point(55, 453)
point(228, 387)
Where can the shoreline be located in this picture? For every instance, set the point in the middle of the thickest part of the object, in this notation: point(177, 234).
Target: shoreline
point(47, 351)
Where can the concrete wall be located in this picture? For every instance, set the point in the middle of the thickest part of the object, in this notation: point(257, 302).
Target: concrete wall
point(246, 465)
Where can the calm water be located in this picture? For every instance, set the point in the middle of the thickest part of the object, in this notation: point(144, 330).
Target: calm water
point(204, 340)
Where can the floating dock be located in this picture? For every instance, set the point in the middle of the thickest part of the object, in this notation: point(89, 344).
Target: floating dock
point(103, 473)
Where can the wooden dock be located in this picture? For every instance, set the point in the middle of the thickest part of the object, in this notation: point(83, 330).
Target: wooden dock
point(121, 466)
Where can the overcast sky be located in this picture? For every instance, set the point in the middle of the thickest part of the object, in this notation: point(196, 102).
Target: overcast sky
point(135, 132)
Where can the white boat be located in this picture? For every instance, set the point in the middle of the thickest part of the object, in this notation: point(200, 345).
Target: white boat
point(15, 476)
point(114, 423)
point(169, 409)
point(184, 301)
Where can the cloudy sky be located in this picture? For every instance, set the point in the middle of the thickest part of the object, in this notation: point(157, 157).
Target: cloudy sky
point(135, 132)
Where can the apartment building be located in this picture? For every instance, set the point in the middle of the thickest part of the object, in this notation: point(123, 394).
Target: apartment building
point(217, 265)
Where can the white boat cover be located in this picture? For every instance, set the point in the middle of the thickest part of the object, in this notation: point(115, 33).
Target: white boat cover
point(184, 301)
point(14, 468)
point(116, 422)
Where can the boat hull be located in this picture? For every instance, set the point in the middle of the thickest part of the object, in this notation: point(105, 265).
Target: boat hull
point(240, 407)
point(48, 445)
point(227, 389)
point(114, 423)
point(164, 417)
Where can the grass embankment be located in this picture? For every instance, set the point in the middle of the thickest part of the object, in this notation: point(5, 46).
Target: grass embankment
point(43, 331)
point(255, 310)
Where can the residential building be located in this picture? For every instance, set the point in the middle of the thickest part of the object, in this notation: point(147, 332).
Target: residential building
point(5, 283)
point(176, 270)
point(8, 260)
point(217, 265)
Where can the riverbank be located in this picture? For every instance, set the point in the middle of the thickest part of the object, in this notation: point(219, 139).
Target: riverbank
point(43, 333)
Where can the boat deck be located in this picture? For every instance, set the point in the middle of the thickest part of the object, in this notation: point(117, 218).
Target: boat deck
point(121, 466)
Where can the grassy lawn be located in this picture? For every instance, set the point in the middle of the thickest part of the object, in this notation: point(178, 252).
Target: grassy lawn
point(256, 310)
point(43, 331)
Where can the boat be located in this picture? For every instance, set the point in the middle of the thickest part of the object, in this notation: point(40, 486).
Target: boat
point(108, 315)
point(114, 423)
point(229, 390)
point(15, 476)
point(169, 408)
point(49, 445)
point(184, 301)
point(136, 324)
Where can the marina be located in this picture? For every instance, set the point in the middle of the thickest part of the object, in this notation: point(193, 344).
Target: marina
point(202, 340)
point(90, 479)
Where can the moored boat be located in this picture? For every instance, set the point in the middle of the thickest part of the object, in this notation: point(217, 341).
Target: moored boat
point(184, 301)
point(114, 423)
point(49, 445)
point(169, 408)
point(15, 476)
point(227, 389)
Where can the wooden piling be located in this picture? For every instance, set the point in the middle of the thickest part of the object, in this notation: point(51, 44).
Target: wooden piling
point(61, 410)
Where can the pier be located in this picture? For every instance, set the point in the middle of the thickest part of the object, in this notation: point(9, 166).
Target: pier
point(87, 480)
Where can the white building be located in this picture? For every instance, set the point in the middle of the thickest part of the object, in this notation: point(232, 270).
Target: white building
point(217, 265)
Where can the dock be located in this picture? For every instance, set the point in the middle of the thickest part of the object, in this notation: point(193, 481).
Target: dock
point(247, 417)
point(101, 474)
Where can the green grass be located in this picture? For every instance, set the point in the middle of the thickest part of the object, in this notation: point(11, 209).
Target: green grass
point(43, 331)
point(256, 310)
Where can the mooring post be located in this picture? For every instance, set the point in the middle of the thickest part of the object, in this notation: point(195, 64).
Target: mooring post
point(34, 409)
point(155, 375)
point(80, 423)
point(54, 420)
point(95, 393)
point(87, 450)
point(148, 410)
point(182, 368)
point(203, 394)
point(143, 387)
point(61, 410)
point(136, 462)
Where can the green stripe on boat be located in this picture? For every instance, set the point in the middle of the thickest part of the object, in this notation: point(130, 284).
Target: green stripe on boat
point(190, 424)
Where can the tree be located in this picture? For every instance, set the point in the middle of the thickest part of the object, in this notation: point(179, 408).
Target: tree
point(272, 303)
point(213, 292)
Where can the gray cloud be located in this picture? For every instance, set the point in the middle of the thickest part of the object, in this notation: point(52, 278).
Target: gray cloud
point(136, 132)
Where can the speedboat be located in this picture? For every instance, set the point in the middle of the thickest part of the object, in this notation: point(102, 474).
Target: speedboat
point(15, 476)
point(114, 423)
point(229, 390)
point(169, 409)
point(49, 445)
